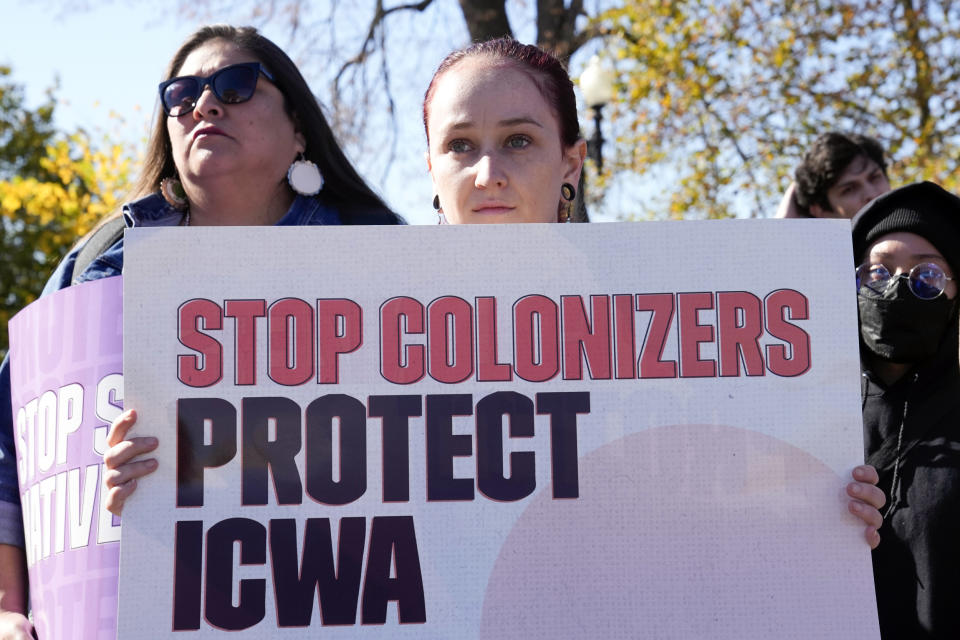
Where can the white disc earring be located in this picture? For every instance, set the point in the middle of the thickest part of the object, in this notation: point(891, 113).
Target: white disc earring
point(305, 177)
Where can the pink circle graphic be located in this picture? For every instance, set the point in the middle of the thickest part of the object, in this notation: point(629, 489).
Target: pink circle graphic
point(686, 531)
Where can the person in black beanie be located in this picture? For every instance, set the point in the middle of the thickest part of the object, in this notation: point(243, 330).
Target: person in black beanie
point(907, 246)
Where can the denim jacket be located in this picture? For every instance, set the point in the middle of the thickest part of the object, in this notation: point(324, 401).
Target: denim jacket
point(151, 211)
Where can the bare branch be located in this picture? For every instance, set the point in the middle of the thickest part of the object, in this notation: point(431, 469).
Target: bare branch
point(391, 110)
point(365, 48)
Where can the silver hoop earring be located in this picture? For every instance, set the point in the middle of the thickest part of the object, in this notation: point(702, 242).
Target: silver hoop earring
point(304, 177)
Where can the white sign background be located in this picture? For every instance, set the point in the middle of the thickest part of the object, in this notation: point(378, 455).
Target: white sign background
point(708, 507)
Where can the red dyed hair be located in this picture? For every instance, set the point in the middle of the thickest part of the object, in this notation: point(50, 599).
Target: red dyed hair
point(547, 72)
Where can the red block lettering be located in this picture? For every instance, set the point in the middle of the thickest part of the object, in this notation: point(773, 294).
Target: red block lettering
point(589, 337)
point(245, 313)
point(290, 322)
point(693, 334)
point(339, 330)
point(401, 364)
point(651, 362)
point(450, 339)
point(205, 369)
point(739, 327)
point(488, 369)
point(779, 361)
point(537, 350)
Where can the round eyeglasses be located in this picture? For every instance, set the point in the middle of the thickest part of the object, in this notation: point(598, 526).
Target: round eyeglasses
point(232, 85)
point(926, 280)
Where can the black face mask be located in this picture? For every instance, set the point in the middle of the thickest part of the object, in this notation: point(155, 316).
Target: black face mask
point(902, 328)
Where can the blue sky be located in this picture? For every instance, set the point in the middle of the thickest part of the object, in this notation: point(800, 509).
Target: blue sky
point(108, 58)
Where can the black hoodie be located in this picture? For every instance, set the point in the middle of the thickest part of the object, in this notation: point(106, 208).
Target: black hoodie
point(912, 436)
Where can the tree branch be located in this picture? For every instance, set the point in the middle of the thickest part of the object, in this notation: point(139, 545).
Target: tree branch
point(391, 110)
point(365, 48)
point(923, 87)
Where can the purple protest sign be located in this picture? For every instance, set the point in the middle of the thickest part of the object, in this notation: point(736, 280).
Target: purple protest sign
point(66, 356)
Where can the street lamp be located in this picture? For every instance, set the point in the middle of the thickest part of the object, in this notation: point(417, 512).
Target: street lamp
point(597, 84)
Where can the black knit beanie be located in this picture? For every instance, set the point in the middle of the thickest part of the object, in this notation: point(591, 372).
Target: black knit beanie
point(923, 208)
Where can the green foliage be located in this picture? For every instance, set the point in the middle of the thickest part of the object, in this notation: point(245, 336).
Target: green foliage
point(728, 94)
point(54, 188)
point(24, 134)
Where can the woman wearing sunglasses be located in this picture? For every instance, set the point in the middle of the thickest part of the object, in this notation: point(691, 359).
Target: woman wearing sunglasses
point(907, 244)
point(240, 140)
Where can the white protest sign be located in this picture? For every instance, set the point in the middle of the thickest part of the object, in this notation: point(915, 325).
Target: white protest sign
point(529, 431)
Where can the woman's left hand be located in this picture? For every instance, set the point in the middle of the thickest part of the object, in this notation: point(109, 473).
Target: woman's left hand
point(866, 501)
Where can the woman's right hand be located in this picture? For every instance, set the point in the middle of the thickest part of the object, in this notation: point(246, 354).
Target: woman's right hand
point(122, 470)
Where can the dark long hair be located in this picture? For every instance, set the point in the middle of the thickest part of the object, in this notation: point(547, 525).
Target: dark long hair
point(548, 74)
point(343, 187)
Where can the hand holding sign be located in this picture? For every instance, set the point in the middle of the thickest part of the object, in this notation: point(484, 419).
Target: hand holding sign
point(15, 626)
point(122, 469)
point(866, 501)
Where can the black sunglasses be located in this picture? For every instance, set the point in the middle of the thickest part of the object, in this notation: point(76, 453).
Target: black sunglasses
point(232, 85)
